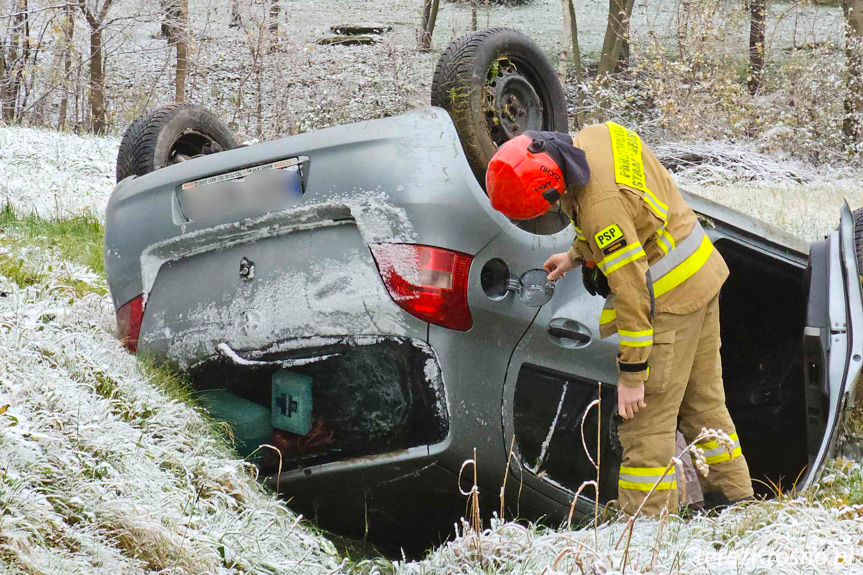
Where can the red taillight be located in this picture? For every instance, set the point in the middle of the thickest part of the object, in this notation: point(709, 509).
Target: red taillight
point(129, 319)
point(429, 283)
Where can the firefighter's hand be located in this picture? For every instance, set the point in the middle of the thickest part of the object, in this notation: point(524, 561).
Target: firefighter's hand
point(629, 400)
point(557, 266)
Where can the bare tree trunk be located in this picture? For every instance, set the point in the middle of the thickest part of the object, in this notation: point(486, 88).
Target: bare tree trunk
point(24, 25)
point(275, 10)
point(614, 28)
point(97, 82)
point(181, 35)
point(429, 17)
point(757, 29)
point(852, 125)
point(474, 6)
point(235, 14)
point(579, 71)
point(68, 39)
point(95, 20)
point(616, 36)
point(3, 82)
point(16, 59)
point(564, 45)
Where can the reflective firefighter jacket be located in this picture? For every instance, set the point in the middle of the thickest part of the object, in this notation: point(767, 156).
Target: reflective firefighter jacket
point(631, 220)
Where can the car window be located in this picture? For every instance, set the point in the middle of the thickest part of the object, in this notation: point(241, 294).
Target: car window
point(548, 411)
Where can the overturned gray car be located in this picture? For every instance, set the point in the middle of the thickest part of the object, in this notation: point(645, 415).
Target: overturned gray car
point(349, 297)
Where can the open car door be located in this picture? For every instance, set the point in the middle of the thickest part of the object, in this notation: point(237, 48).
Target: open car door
point(792, 332)
point(832, 339)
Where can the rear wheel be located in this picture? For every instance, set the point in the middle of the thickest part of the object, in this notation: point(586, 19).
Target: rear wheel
point(496, 84)
point(171, 135)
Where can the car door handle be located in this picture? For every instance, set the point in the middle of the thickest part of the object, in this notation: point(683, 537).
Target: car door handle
point(566, 332)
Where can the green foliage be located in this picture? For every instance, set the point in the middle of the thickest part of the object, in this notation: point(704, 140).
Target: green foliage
point(16, 270)
point(176, 385)
point(841, 485)
point(78, 238)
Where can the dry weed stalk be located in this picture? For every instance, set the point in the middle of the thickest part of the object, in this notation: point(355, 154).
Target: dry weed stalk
point(505, 476)
point(474, 527)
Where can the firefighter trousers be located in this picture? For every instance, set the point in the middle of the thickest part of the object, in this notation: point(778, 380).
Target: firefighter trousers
point(683, 391)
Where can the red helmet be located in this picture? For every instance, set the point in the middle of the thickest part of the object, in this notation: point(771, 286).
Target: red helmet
point(522, 180)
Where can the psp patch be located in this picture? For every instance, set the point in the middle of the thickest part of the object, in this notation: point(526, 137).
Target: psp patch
point(610, 239)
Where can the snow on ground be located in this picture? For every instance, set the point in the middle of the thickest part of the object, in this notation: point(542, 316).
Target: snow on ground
point(104, 473)
point(49, 173)
point(793, 196)
point(775, 537)
point(54, 174)
point(309, 86)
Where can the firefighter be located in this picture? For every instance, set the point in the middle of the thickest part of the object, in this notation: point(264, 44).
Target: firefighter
point(643, 248)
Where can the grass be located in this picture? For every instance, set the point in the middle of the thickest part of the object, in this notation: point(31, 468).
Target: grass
point(78, 238)
point(180, 388)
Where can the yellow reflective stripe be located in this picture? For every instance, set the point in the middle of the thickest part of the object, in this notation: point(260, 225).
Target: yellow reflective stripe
point(716, 453)
point(622, 263)
point(664, 239)
point(712, 443)
point(644, 478)
point(724, 456)
point(607, 316)
point(636, 333)
point(578, 233)
point(643, 470)
point(685, 270)
point(641, 338)
point(647, 486)
point(621, 257)
point(659, 208)
point(664, 233)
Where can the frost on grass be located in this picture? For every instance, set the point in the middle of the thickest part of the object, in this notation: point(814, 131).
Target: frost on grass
point(792, 195)
point(819, 532)
point(104, 473)
point(767, 537)
point(55, 174)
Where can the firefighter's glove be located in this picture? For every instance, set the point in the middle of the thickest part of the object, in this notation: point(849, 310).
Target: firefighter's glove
point(594, 280)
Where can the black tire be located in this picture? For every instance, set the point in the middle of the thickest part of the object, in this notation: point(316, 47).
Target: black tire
point(168, 136)
point(495, 84)
point(858, 237)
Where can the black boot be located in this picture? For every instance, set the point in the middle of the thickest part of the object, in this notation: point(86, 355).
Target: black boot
point(717, 501)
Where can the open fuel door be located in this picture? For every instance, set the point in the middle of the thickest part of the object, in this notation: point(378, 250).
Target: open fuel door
point(832, 339)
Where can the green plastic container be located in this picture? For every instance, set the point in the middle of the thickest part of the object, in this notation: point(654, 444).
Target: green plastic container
point(249, 421)
point(292, 402)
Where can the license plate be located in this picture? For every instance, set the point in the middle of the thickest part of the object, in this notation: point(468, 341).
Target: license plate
point(259, 189)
